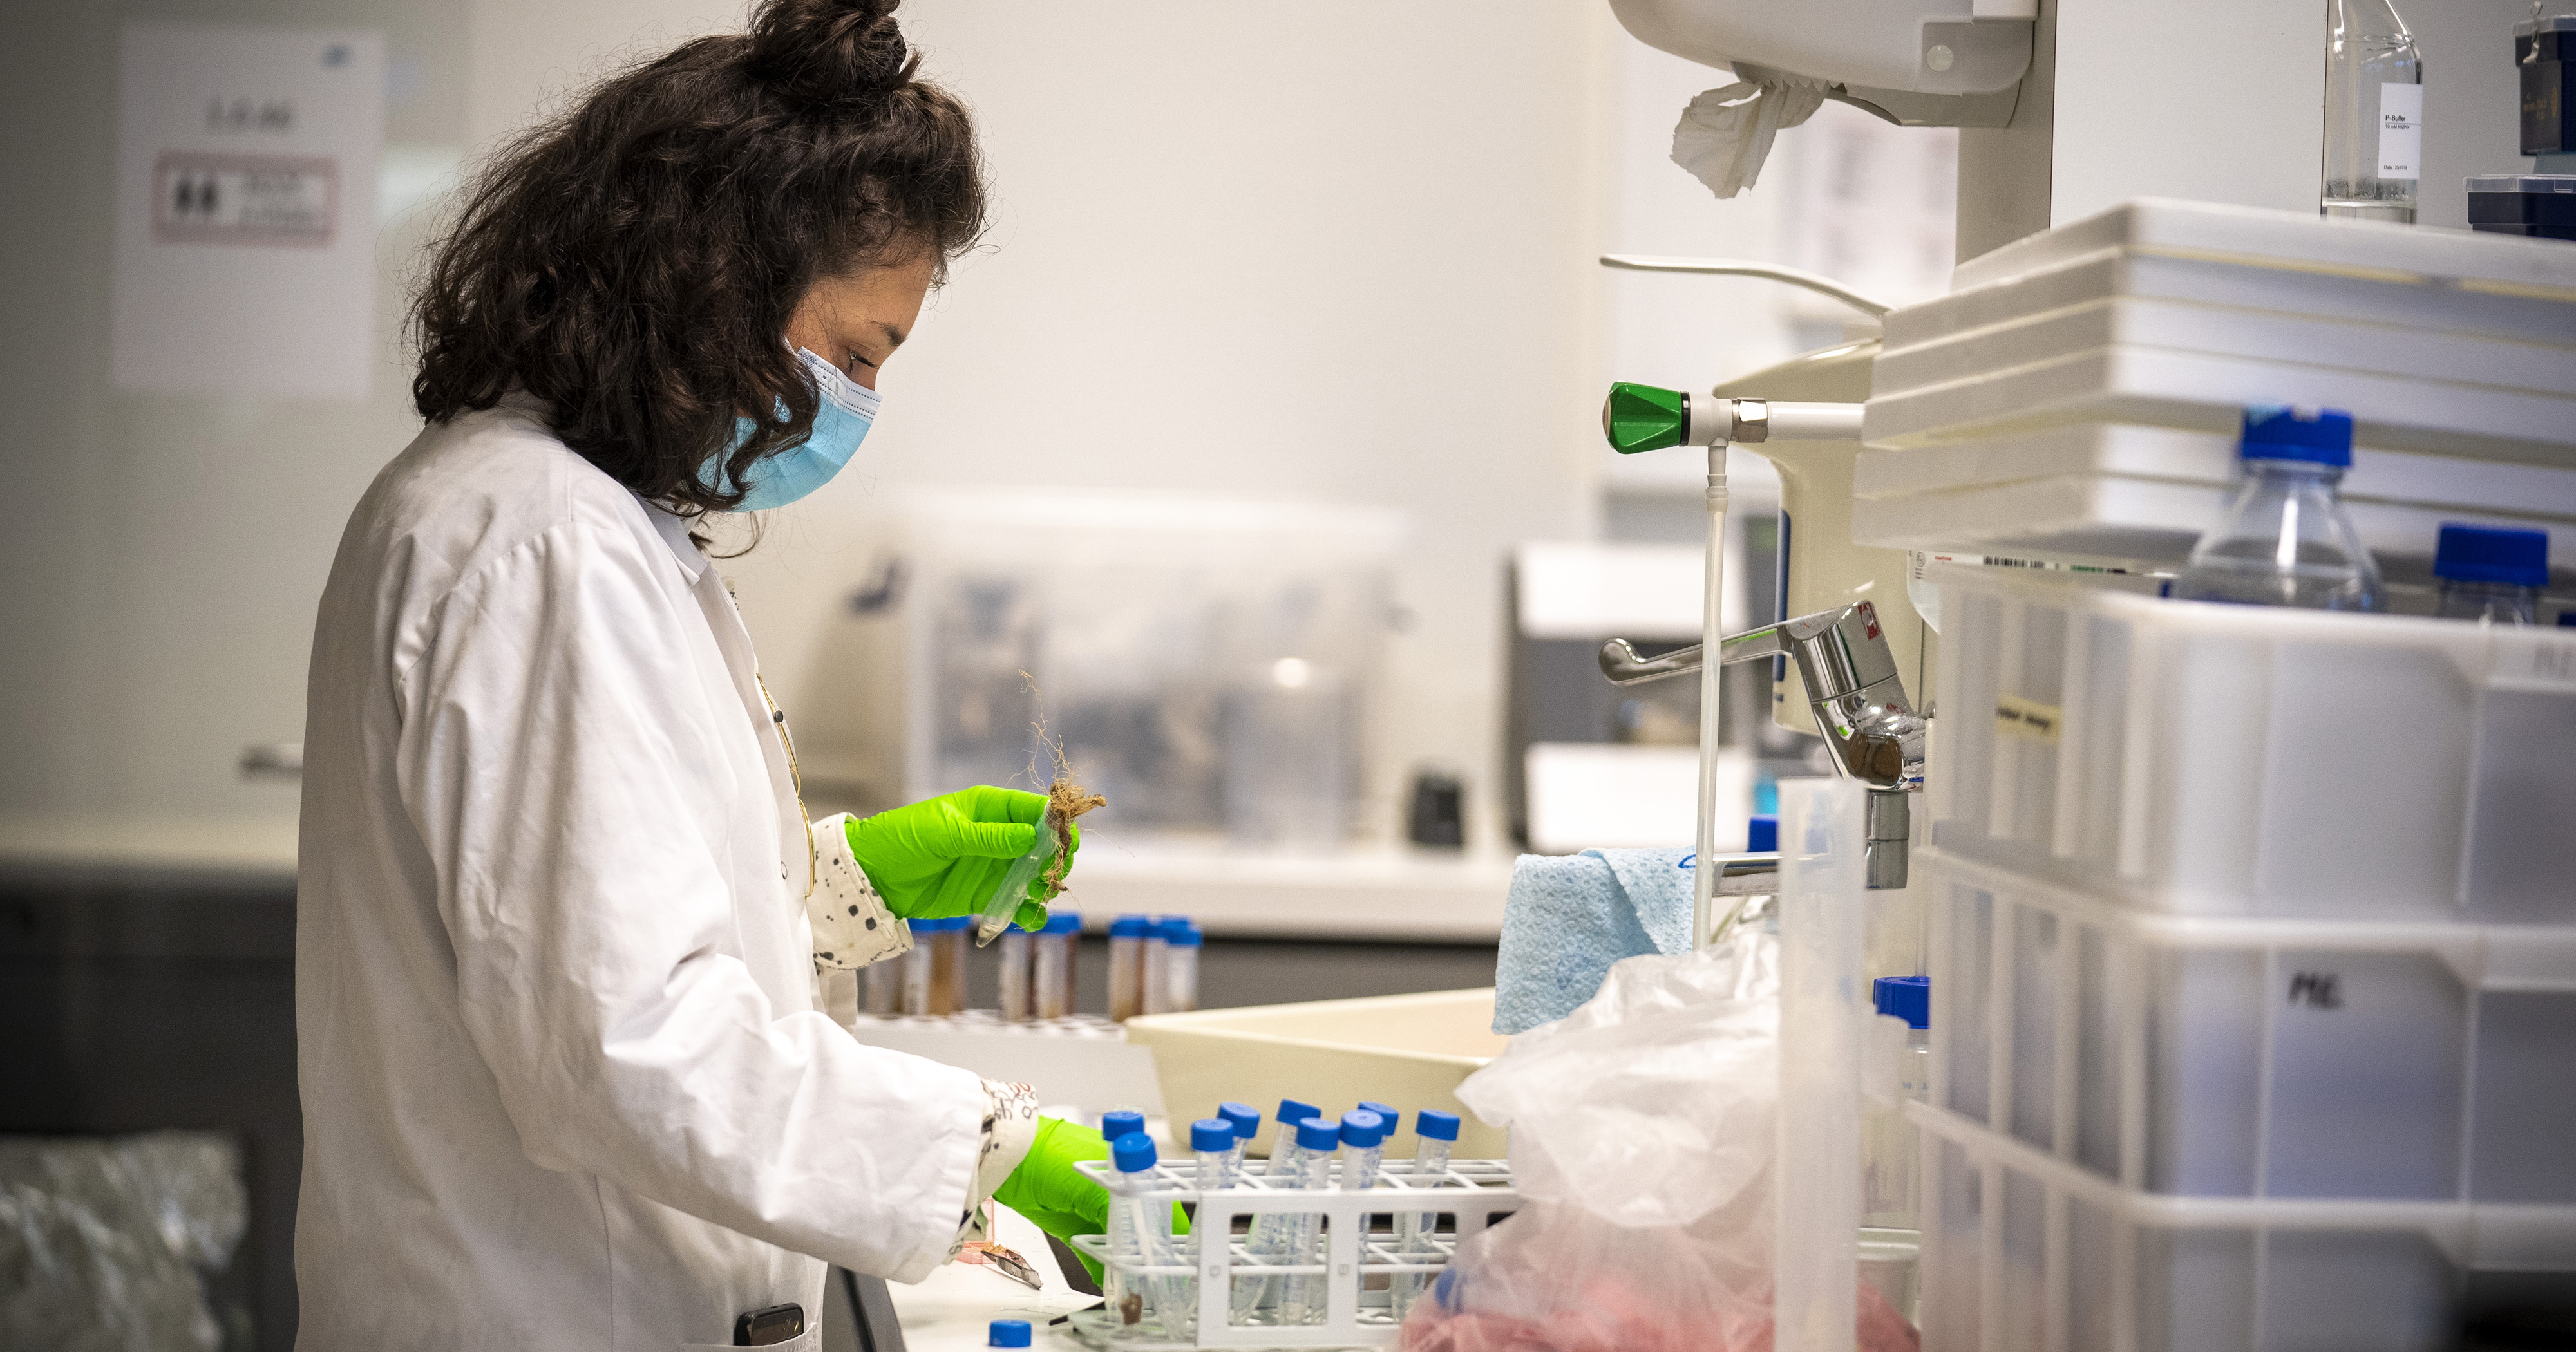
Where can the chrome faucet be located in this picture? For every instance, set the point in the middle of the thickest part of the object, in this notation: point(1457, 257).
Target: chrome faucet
point(1859, 704)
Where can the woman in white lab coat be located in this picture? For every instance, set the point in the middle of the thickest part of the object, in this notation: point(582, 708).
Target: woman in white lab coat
point(559, 910)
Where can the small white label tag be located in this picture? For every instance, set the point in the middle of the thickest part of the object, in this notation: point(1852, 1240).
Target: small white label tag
point(2401, 129)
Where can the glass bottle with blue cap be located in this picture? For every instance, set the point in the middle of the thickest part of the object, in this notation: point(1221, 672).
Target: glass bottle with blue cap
point(2286, 540)
point(2491, 574)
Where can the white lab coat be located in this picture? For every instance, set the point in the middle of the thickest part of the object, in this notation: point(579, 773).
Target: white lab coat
point(564, 1084)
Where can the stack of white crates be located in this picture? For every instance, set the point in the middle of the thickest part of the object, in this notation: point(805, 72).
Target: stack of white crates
point(2253, 952)
point(2078, 393)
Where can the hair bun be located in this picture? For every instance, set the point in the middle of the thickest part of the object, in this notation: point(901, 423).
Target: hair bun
point(830, 51)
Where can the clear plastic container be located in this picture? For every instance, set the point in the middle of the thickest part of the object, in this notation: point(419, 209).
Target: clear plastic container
point(1054, 954)
point(884, 982)
point(2374, 113)
point(1127, 935)
point(2286, 540)
point(1891, 1154)
point(1246, 1121)
point(948, 965)
point(1301, 1299)
point(1155, 970)
point(1181, 943)
point(1273, 1235)
point(1012, 973)
point(1435, 1135)
point(1140, 1230)
point(2491, 575)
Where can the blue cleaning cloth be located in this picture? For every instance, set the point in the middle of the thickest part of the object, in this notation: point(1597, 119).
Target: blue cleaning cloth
point(1570, 916)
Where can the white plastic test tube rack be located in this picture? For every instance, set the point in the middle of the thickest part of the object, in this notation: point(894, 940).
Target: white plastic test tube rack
point(1358, 1249)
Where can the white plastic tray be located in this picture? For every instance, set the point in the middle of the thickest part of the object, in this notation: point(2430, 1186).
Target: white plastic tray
point(2123, 491)
point(1361, 1256)
point(2023, 1251)
point(1409, 1050)
point(2241, 760)
point(2309, 1059)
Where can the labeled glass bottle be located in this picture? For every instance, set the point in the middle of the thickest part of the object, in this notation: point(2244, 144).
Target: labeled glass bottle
point(2374, 113)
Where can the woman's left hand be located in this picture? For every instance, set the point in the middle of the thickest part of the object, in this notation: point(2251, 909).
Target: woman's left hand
point(944, 856)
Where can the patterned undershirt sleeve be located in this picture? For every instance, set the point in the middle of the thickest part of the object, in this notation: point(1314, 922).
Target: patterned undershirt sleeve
point(1010, 1128)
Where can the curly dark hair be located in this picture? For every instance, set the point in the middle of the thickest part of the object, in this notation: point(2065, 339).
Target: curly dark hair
point(635, 261)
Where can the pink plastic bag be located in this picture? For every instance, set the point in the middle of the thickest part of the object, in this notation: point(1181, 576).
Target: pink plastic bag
point(1642, 1131)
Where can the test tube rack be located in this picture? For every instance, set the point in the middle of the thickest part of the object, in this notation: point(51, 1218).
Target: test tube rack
point(1361, 1245)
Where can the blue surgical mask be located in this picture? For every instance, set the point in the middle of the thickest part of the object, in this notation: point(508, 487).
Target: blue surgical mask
point(846, 409)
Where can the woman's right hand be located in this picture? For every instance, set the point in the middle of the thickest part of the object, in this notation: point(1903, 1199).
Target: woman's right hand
point(945, 855)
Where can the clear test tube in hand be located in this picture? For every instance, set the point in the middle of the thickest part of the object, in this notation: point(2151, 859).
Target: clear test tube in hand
point(1127, 966)
point(1435, 1134)
point(1052, 953)
point(1012, 954)
point(1181, 944)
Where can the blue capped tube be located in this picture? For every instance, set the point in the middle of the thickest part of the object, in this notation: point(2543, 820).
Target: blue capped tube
point(1140, 1235)
point(1212, 1142)
point(1306, 1297)
point(1363, 1137)
point(1435, 1135)
point(1274, 1232)
point(1246, 1121)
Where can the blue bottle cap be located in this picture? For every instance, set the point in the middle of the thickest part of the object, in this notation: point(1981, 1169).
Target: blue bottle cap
point(1906, 997)
point(1762, 833)
point(1178, 929)
point(1291, 1112)
point(1063, 922)
point(1318, 1133)
point(2517, 558)
point(1362, 1128)
point(1119, 1122)
point(1394, 1119)
point(1211, 1133)
point(1130, 927)
point(1245, 1119)
point(2320, 436)
point(1435, 1124)
point(1007, 1333)
point(1132, 1153)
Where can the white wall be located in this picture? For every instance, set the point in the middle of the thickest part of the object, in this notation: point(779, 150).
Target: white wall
point(1336, 251)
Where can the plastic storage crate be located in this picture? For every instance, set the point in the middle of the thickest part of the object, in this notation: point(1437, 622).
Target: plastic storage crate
point(2242, 760)
point(1361, 1260)
point(2024, 1252)
point(2307, 1059)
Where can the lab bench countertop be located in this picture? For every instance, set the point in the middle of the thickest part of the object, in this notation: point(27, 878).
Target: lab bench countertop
point(953, 1308)
point(1383, 893)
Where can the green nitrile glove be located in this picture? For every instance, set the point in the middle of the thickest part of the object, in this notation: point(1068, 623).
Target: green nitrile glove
point(1055, 1196)
point(945, 856)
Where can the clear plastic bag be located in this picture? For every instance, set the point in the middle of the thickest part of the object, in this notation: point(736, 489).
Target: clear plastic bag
point(1642, 1133)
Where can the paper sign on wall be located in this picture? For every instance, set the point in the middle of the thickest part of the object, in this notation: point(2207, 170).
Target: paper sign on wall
point(245, 210)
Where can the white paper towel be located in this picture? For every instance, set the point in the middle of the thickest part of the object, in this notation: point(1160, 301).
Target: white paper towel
point(1725, 134)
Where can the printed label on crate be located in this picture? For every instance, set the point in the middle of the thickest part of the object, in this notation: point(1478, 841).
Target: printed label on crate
point(2016, 716)
point(2535, 659)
